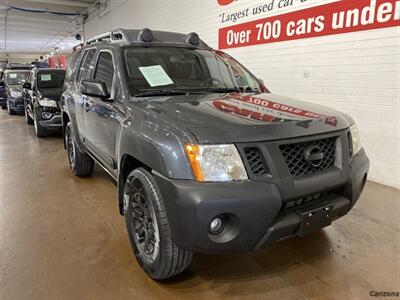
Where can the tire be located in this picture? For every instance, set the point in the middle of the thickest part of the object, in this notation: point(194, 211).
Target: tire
point(80, 163)
point(4, 107)
point(40, 130)
point(146, 220)
point(28, 119)
point(10, 111)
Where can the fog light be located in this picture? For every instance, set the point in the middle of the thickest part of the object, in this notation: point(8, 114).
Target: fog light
point(47, 115)
point(216, 225)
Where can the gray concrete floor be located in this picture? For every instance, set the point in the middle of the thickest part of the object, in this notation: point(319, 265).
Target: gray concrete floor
point(61, 237)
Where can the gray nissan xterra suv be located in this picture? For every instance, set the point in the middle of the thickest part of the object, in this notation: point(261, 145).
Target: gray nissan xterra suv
point(205, 157)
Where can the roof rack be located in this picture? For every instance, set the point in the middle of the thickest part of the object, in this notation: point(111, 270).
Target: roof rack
point(148, 38)
point(115, 35)
point(76, 47)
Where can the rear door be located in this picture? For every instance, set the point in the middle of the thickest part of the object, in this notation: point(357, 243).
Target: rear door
point(85, 71)
point(101, 119)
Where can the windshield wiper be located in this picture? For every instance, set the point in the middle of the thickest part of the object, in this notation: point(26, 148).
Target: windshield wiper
point(161, 93)
point(232, 90)
point(223, 90)
point(248, 90)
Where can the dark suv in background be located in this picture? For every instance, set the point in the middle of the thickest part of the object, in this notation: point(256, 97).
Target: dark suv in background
point(206, 158)
point(3, 102)
point(13, 81)
point(42, 95)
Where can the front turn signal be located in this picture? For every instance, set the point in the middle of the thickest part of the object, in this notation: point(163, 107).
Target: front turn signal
point(193, 154)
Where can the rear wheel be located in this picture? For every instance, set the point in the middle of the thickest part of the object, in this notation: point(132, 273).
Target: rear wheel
point(80, 163)
point(148, 228)
point(39, 129)
point(28, 119)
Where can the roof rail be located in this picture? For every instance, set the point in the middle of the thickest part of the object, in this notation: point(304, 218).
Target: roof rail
point(119, 35)
point(76, 47)
point(115, 35)
point(99, 38)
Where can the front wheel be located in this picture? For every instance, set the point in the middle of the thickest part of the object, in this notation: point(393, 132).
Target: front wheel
point(10, 111)
point(148, 228)
point(39, 129)
point(80, 162)
point(28, 118)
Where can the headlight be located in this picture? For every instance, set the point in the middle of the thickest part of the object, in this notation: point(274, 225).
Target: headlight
point(15, 94)
point(215, 162)
point(355, 138)
point(47, 102)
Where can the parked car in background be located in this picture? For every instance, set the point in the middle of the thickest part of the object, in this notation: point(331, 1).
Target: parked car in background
point(13, 80)
point(206, 158)
point(18, 66)
point(41, 95)
point(3, 102)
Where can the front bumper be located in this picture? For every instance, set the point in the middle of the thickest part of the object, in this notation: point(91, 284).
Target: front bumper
point(55, 123)
point(254, 211)
point(16, 104)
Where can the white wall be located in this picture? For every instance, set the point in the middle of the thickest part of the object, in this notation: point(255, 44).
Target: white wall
point(357, 73)
point(20, 57)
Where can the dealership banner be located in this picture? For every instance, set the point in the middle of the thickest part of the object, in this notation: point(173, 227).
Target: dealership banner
point(328, 19)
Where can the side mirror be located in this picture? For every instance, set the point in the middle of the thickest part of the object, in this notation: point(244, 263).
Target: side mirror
point(262, 86)
point(27, 86)
point(95, 88)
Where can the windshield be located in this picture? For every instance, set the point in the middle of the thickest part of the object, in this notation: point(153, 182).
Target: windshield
point(167, 68)
point(50, 79)
point(16, 78)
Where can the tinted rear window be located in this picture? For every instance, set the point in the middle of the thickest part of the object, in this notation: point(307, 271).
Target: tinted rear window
point(50, 79)
point(17, 77)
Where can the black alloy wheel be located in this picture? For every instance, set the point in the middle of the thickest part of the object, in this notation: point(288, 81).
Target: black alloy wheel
point(148, 228)
point(39, 129)
point(69, 143)
point(146, 237)
point(80, 163)
point(28, 119)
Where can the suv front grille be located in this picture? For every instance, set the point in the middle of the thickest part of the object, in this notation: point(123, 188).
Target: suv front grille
point(256, 161)
point(53, 110)
point(295, 158)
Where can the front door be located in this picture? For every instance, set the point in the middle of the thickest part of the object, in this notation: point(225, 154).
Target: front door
point(101, 117)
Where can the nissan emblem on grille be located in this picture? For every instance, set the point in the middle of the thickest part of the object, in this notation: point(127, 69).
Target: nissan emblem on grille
point(313, 155)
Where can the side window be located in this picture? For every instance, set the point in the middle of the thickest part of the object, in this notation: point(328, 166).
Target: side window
point(84, 69)
point(105, 69)
point(72, 64)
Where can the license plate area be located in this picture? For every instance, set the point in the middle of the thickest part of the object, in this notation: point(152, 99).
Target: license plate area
point(315, 219)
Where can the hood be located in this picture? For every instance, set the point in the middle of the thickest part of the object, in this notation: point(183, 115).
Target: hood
point(53, 93)
point(214, 118)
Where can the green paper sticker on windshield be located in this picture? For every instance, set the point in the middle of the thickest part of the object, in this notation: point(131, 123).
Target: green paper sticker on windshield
point(156, 75)
point(45, 77)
